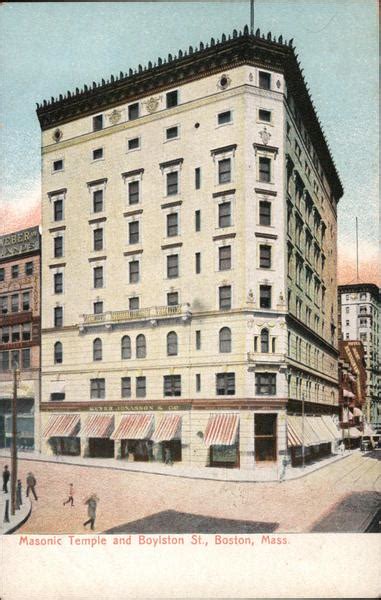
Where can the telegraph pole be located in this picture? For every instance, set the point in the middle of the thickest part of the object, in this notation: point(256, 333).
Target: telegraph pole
point(16, 373)
point(303, 445)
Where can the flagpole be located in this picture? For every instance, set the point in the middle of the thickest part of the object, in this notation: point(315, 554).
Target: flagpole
point(251, 17)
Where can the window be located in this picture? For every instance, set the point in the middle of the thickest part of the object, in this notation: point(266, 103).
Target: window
point(25, 357)
point(265, 341)
point(133, 144)
point(264, 257)
point(172, 266)
point(15, 303)
point(97, 122)
point(172, 133)
point(172, 183)
point(140, 387)
point(225, 339)
point(198, 382)
point(26, 329)
point(133, 232)
point(264, 212)
point(2, 274)
point(224, 117)
point(15, 333)
point(98, 201)
point(347, 322)
point(141, 348)
point(198, 262)
point(197, 220)
point(57, 165)
point(347, 309)
point(98, 277)
point(58, 283)
point(133, 111)
point(224, 170)
point(172, 299)
point(58, 246)
point(126, 347)
point(197, 178)
point(198, 339)
point(4, 361)
point(133, 271)
point(58, 353)
point(172, 346)
point(126, 387)
point(4, 304)
point(97, 349)
point(133, 303)
point(363, 296)
point(264, 169)
point(97, 388)
point(225, 297)
point(29, 268)
point(5, 335)
point(98, 307)
point(15, 271)
point(58, 316)
point(97, 153)
point(264, 80)
point(265, 384)
point(57, 396)
point(225, 384)
point(15, 359)
point(224, 258)
point(133, 192)
point(172, 385)
point(58, 210)
point(172, 98)
point(172, 224)
point(98, 239)
point(224, 214)
point(264, 115)
point(265, 437)
point(265, 296)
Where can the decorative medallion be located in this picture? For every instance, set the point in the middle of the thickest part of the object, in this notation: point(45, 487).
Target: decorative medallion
point(115, 116)
point(57, 135)
point(278, 84)
point(265, 135)
point(251, 77)
point(250, 296)
point(152, 103)
point(224, 82)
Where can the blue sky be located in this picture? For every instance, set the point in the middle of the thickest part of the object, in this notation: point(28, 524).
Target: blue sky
point(48, 48)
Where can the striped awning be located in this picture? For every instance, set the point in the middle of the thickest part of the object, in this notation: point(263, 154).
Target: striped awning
point(316, 430)
point(133, 427)
point(331, 425)
point(98, 426)
point(221, 430)
point(321, 430)
point(348, 394)
point(167, 429)
point(294, 434)
point(352, 432)
point(62, 426)
point(357, 412)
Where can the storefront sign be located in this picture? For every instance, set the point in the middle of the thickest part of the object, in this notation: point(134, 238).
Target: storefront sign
point(21, 242)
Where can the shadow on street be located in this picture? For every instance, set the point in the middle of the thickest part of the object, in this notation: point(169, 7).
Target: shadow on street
point(351, 515)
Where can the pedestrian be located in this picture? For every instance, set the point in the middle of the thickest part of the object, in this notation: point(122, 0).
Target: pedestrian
point(30, 485)
point(167, 456)
point(19, 492)
point(6, 476)
point(70, 499)
point(91, 502)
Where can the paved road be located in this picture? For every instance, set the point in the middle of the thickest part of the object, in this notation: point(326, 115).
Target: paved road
point(144, 502)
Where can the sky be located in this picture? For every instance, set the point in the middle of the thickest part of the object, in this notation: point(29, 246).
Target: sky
point(47, 48)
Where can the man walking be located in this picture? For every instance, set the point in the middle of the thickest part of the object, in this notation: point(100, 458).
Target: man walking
point(6, 476)
point(30, 485)
point(91, 502)
point(70, 499)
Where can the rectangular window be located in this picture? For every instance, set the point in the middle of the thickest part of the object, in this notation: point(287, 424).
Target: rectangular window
point(133, 143)
point(198, 262)
point(172, 266)
point(98, 239)
point(264, 212)
point(133, 192)
point(133, 232)
point(265, 437)
point(172, 133)
point(98, 201)
point(265, 296)
point(264, 115)
point(224, 258)
point(58, 283)
point(172, 98)
point(172, 183)
point(172, 385)
point(57, 165)
point(133, 271)
point(264, 169)
point(97, 153)
point(4, 361)
point(15, 271)
point(133, 111)
point(98, 277)
point(98, 307)
point(5, 335)
point(198, 339)
point(197, 220)
point(58, 246)
point(172, 299)
point(224, 117)
point(98, 123)
point(133, 303)
point(264, 257)
point(264, 80)
point(225, 384)
point(172, 224)
point(58, 316)
point(97, 388)
point(15, 303)
point(224, 214)
point(25, 356)
point(197, 178)
point(2, 274)
point(4, 304)
point(141, 387)
point(58, 210)
point(265, 384)
point(58, 396)
point(224, 170)
point(225, 297)
point(126, 387)
point(15, 333)
point(15, 359)
point(198, 382)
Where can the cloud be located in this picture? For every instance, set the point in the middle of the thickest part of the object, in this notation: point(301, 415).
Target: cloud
point(369, 263)
point(23, 211)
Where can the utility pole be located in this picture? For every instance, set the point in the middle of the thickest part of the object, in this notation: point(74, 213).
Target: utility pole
point(357, 250)
point(303, 459)
point(16, 374)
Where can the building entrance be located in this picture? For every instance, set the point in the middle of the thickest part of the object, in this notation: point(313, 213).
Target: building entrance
point(101, 448)
point(265, 437)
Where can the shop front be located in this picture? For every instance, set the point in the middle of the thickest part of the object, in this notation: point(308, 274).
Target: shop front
point(167, 439)
point(61, 434)
point(133, 434)
point(96, 436)
point(265, 438)
point(222, 438)
point(310, 437)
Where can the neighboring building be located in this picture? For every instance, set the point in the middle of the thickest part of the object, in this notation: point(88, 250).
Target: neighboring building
point(19, 332)
point(352, 390)
point(360, 319)
point(189, 262)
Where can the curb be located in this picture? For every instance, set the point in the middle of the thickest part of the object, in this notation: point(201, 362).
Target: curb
point(332, 462)
point(23, 520)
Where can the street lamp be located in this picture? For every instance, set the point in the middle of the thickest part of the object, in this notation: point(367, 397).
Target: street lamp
point(16, 375)
point(303, 460)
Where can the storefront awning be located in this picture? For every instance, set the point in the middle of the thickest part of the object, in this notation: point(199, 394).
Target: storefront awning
point(368, 430)
point(321, 430)
point(221, 430)
point(294, 437)
point(133, 427)
point(331, 426)
point(98, 426)
point(317, 430)
point(62, 426)
point(352, 432)
point(348, 394)
point(167, 429)
point(357, 412)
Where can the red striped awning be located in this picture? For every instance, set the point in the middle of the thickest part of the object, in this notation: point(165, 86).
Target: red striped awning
point(167, 429)
point(62, 426)
point(294, 437)
point(98, 426)
point(221, 430)
point(133, 427)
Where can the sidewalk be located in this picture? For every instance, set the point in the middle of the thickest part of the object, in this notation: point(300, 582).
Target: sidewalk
point(16, 520)
point(261, 474)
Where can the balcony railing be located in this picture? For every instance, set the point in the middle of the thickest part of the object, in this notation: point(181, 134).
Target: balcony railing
point(152, 313)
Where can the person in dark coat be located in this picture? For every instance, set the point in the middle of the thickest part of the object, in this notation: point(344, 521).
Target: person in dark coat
point(91, 502)
point(30, 485)
point(6, 476)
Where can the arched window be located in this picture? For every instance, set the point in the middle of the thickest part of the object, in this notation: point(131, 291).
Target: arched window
point(264, 340)
point(97, 349)
point(58, 353)
point(126, 347)
point(141, 348)
point(225, 339)
point(172, 349)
